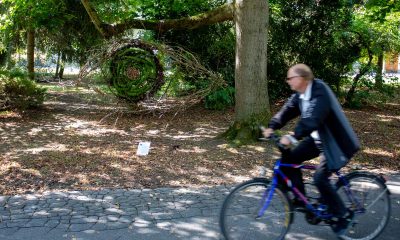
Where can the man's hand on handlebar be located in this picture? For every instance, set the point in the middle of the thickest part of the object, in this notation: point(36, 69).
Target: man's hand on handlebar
point(285, 141)
point(267, 132)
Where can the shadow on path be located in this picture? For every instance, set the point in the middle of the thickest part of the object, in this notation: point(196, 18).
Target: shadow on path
point(163, 213)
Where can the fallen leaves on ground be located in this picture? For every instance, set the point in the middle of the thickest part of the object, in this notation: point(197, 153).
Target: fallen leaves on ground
point(80, 142)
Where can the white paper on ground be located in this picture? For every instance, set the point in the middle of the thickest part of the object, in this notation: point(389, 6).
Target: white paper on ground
point(143, 148)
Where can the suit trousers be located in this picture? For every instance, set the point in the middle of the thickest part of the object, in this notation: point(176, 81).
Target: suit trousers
point(306, 150)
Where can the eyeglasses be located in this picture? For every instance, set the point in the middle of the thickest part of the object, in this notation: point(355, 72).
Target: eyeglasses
point(290, 78)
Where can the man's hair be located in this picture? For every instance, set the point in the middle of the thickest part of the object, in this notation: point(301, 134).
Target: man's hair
point(304, 71)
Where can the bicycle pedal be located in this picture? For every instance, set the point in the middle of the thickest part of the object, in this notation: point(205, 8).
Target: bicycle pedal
point(301, 209)
point(325, 224)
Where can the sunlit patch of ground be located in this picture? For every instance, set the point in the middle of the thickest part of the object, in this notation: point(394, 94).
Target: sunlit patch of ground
point(78, 141)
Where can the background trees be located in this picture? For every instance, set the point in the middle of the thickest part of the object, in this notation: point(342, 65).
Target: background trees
point(29, 17)
point(55, 27)
point(330, 36)
point(312, 32)
point(376, 25)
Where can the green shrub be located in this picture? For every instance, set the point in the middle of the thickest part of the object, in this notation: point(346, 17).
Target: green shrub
point(221, 98)
point(14, 73)
point(18, 92)
point(371, 97)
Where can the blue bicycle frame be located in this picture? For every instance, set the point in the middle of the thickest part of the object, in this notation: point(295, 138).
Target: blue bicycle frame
point(318, 212)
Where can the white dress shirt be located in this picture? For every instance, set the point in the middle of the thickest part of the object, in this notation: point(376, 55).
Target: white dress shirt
point(307, 106)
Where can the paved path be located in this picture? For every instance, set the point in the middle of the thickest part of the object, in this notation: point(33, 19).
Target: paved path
point(165, 213)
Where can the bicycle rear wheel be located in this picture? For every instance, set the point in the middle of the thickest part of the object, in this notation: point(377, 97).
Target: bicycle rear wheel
point(238, 218)
point(374, 197)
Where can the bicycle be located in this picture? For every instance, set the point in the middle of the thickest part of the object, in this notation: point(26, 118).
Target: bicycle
point(260, 209)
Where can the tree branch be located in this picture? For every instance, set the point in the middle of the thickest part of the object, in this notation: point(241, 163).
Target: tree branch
point(219, 14)
point(94, 17)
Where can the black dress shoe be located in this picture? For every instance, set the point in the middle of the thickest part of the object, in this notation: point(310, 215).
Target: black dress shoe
point(340, 226)
point(298, 205)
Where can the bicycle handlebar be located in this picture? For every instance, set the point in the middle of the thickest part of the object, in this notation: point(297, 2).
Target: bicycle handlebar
point(274, 137)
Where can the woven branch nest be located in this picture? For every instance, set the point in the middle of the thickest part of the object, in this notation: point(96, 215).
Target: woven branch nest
point(134, 73)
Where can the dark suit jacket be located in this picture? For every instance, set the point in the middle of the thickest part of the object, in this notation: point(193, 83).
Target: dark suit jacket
point(325, 115)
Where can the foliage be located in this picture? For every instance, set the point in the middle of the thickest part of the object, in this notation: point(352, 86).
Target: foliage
point(312, 32)
point(176, 85)
point(369, 96)
point(213, 45)
point(378, 27)
point(221, 98)
point(18, 92)
point(74, 38)
point(380, 9)
point(35, 14)
point(327, 35)
point(61, 27)
point(376, 24)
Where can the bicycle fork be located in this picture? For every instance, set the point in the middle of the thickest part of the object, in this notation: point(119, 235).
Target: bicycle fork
point(266, 200)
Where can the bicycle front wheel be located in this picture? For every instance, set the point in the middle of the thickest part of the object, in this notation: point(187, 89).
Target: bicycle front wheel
point(238, 218)
point(373, 211)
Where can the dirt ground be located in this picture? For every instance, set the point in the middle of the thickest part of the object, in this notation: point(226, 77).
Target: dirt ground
point(80, 141)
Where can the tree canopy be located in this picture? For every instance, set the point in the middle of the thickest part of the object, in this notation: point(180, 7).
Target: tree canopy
point(330, 36)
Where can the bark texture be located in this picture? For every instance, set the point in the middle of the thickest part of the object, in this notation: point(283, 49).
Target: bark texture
point(251, 22)
point(31, 53)
point(58, 64)
point(379, 70)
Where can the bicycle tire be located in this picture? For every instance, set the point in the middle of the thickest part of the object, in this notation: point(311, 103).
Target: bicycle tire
point(238, 217)
point(371, 191)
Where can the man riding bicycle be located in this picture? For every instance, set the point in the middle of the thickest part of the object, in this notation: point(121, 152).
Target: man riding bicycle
point(324, 131)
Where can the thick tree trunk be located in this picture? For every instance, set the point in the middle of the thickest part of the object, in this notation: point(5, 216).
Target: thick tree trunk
point(379, 70)
point(31, 53)
point(252, 105)
point(251, 58)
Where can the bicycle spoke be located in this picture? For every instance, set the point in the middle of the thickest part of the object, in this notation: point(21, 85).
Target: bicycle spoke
point(373, 209)
point(377, 199)
point(239, 213)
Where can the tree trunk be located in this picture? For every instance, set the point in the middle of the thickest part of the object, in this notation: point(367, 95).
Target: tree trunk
point(57, 65)
point(252, 104)
point(10, 50)
point(31, 53)
point(3, 58)
point(364, 70)
point(9, 62)
point(379, 70)
point(62, 66)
